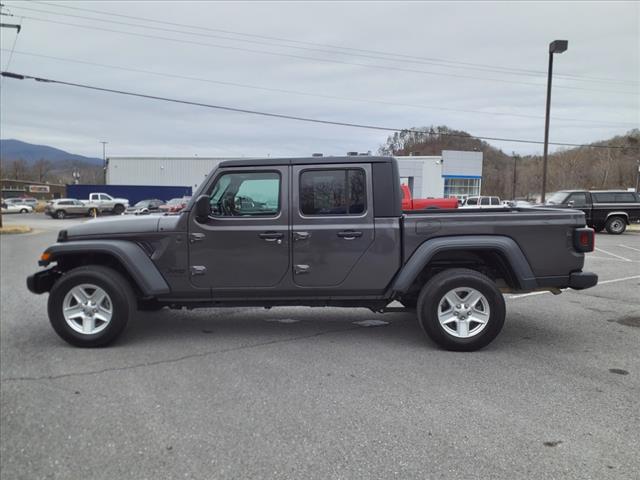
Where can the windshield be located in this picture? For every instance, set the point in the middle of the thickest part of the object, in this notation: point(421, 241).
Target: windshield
point(557, 198)
point(174, 201)
point(142, 203)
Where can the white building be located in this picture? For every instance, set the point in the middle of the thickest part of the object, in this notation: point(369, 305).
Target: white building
point(453, 174)
point(165, 171)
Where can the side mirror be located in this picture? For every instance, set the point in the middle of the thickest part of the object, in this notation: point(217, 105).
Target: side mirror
point(202, 208)
point(570, 203)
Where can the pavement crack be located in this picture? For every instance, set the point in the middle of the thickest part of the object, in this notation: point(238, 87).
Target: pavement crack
point(174, 360)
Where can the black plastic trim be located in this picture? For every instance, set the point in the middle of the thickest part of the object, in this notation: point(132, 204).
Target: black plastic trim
point(582, 280)
point(426, 251)
point(129, 254)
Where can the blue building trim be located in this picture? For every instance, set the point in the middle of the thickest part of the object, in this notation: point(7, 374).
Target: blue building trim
point(462, 176)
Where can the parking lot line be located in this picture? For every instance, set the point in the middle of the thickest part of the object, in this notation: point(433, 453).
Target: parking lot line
point(612, 254)
point(630, 248)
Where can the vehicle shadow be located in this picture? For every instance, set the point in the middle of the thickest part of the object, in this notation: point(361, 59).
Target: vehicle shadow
point(257, 325)
point(260, 325)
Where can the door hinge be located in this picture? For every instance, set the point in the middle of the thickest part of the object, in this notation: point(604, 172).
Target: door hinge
point(196, 237)
point(198, 270)
point(300, 269)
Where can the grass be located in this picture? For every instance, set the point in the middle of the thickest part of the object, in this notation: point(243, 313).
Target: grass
point(12, 229)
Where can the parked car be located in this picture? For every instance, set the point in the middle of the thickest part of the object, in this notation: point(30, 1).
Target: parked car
point(68, 207)
point(144, 207)
point(15, 208)
point(517, 203)
point(410, 203)
point(175, 205)
point(32, 202)
point(304, 241)
point(105, 203)
point(610, 209)
point(482, 202)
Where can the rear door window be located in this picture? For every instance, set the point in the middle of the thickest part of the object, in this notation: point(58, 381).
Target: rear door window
point(333, 192)
point(604, 197)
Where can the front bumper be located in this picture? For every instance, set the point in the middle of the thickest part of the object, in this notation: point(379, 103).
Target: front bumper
point(582, 280)
point(42, 281)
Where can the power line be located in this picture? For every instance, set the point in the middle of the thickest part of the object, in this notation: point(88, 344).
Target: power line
point(394, 55)
point(504, 70)
point(318, 59)
point(308, 94)
point(19, 76)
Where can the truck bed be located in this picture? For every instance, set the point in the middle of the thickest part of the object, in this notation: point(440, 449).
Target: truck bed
point(543, 234)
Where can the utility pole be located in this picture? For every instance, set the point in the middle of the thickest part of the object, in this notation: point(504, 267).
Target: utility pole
point(515, 172)
point(104, 161)
point(557, 46)
point(18, 28)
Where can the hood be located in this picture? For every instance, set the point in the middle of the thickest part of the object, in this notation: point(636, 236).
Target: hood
point(119, 225)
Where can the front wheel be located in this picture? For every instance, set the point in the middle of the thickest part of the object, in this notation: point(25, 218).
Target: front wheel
point(616, 225)
point(461, 309)
point(90, 306)
point(118, 209)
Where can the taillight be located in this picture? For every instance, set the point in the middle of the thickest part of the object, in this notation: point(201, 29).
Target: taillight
point(584, 239)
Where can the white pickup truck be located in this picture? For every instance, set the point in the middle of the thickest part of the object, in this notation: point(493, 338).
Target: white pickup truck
point(105, 203)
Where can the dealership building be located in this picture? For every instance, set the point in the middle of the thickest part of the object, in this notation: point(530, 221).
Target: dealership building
point(452, 174)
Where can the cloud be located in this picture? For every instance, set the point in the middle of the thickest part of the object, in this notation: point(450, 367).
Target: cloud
point(603, 43)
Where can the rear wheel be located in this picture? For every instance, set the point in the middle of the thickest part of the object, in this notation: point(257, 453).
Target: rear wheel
point(616, 225)
point(94, 212)
point(60, 214)
point(90, 306)
point(24, 210)
point(461, 309)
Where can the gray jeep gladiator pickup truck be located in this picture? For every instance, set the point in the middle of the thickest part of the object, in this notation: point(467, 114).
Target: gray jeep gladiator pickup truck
point(316, 232)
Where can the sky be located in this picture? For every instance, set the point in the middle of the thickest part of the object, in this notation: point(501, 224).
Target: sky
point(474, 66)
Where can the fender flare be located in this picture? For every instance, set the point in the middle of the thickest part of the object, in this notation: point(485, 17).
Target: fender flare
point(618, 214)
point(130, 255)
point(503, 245)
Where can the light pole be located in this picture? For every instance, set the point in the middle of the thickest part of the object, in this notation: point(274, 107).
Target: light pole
point(104, 161)
point(557, 46)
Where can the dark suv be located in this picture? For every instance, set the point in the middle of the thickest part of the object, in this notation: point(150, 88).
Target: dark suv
point(610, 209)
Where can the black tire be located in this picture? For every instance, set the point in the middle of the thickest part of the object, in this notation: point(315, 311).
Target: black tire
point(94, 212)
point(123, 303)
point(118, 209)
point(616, 225)
point(24, 210)
point(60, 214)
point(432, 295)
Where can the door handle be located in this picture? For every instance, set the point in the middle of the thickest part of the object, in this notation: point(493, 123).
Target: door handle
point(271, 236)
point(349, 234)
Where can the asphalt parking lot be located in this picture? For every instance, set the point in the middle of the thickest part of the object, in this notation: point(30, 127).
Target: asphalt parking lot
point(306, 393)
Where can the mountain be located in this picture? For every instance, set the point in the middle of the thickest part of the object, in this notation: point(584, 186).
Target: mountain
point(15, 149)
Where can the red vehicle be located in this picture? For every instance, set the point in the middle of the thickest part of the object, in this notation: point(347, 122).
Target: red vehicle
point(175, 205)
point(409, 203)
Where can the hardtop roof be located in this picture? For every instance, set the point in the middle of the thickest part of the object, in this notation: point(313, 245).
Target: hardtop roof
point(306, 161)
